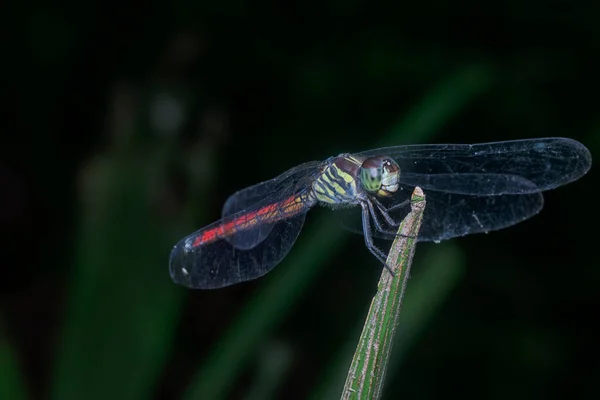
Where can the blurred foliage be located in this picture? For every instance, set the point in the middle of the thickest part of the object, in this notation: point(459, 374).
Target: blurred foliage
point(130, 126)
point(11, 381)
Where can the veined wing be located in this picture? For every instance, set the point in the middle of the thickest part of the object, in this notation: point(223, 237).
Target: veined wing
point(285, 186)
point(450, 215)
point(481, 187)
point(490, 169)
point(259, 227)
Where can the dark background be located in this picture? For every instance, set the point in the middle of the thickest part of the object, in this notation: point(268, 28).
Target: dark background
point(127, 126)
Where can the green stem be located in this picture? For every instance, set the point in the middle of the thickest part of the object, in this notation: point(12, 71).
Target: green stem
point(367, 371)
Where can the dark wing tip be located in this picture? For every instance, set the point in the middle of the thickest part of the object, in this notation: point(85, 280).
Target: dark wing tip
point(179, 263)
point(584, 155)
point(186, 268)
point(579, 156)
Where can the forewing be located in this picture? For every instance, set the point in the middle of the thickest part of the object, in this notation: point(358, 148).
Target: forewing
point(220, 264)
point(490, 169)
point(290, 181)
point(478, 188)
point(259, 227)
point(251, 198)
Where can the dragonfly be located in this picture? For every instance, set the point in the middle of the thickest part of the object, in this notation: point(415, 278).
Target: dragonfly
point(470, 188)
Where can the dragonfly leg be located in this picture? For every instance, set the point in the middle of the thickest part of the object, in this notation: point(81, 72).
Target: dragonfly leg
point(378, 225)
point(395, 206)
point(385, 211)
point(369, 238)
point(389, 220)
point(387, 217)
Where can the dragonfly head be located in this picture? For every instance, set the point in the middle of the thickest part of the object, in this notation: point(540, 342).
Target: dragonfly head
point(380, 176)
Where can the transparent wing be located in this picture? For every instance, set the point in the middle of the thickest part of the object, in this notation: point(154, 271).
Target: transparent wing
point(219, 264)
point(477, 188)
point(259, 227)
point(250, 198)
point(450, 215)
point(292, 179)
point(490, 169)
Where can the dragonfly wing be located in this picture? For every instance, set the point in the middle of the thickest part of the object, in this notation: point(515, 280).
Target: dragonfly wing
point(259, 227)
point(291, 181)
point(478, 188)
point(449, 215)
point(218, 264)
point(490, 169)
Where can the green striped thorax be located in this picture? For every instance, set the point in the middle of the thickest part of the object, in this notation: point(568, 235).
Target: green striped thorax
point(380, 176)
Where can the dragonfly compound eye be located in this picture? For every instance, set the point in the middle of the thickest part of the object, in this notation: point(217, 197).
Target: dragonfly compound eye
point(371, 174)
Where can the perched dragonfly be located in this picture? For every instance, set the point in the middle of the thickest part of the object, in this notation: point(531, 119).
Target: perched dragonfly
point(468, 188)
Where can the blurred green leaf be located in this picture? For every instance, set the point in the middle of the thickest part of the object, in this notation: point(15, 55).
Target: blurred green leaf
point(12, 385)
point(122, 306)
point(274, 363)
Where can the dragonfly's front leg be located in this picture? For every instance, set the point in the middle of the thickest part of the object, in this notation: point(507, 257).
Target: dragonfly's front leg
point(378, 225)
point(369, 238)
point(385, 211)
point(388, 218)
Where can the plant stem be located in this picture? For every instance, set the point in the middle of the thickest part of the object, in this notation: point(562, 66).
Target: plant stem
point(367, 371)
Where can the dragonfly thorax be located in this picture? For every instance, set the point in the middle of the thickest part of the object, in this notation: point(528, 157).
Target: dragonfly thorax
point(337, 183)
point(345, 176)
